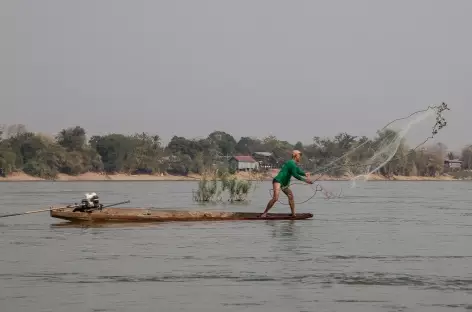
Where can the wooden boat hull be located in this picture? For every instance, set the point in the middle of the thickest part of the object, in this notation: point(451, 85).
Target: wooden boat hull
point(154, 215)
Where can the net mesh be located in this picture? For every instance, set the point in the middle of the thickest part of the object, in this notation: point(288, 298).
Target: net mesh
point(386, 154)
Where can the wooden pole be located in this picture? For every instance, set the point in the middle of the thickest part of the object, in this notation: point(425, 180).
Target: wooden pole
point(28, 212)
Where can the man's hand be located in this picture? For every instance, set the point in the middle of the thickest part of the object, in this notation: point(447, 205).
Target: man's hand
point(307, 179)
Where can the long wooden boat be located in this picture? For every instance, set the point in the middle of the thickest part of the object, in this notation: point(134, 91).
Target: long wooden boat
point(155, 215)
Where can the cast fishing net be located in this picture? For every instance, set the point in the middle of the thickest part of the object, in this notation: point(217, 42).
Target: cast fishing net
point(387, 154)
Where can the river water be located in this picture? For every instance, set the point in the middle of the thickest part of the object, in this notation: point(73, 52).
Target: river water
point(383, 246)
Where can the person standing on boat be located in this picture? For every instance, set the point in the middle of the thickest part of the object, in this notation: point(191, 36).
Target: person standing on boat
point(282, 182)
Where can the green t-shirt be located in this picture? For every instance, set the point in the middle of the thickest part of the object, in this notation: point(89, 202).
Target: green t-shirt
point(289, 169)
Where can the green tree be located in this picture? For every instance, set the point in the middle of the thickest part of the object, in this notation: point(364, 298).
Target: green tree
point(72, 139)
point(225, 142)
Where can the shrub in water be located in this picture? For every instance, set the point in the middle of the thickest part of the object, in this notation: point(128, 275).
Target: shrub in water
point(211, 189)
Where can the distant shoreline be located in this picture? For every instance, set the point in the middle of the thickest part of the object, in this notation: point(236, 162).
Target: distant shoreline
point(92, 176)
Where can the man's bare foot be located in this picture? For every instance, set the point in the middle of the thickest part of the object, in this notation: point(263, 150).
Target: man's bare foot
point(263, 215)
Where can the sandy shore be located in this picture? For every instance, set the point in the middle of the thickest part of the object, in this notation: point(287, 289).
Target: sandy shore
point(91, 176)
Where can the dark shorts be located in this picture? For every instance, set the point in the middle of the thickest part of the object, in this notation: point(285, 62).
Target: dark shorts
point(281, 186)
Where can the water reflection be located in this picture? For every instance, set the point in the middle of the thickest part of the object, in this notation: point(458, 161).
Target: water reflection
point(283, 229)
point(82, 225)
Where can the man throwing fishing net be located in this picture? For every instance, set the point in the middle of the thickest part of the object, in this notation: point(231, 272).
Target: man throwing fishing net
point(282, 182)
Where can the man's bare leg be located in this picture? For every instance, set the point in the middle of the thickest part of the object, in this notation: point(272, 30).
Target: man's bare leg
point(274, 199)
point(291, 200)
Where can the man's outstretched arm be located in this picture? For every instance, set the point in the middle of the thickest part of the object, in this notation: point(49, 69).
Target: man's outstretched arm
point(297, 173)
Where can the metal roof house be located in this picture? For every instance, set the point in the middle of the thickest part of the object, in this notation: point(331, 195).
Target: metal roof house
point(243, 163)
point(263, 154)
point(452, 164)
point(266, 160)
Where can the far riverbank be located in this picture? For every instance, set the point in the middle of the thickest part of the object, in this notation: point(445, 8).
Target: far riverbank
point(92, 176)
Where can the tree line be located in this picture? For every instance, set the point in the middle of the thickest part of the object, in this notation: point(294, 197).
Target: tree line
point(70, 152)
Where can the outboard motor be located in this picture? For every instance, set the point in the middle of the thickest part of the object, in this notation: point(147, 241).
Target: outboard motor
point(90, 201)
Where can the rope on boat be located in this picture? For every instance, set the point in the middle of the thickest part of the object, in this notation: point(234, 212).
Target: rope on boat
point(317, 188)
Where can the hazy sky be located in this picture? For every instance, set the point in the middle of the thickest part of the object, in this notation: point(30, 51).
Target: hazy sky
point(294, 69)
